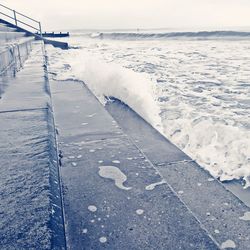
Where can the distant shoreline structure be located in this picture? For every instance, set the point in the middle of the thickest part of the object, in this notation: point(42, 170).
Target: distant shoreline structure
point(53, 34)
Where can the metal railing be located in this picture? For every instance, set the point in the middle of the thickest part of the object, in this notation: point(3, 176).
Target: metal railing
point(15, 16)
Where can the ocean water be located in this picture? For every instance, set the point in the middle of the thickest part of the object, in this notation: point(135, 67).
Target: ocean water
point(194, 87)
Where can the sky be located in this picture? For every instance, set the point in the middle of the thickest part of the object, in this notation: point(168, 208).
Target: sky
point(132, 14)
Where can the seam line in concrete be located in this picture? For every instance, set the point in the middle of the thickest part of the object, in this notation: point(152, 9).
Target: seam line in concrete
point(154, 166)
point(114, 137)
point(58, 151)
point(22, 110)
point(173, 162)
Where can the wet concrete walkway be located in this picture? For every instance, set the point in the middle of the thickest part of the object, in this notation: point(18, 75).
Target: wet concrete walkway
point(114, 198)
point(216, 208)
point(30, 206)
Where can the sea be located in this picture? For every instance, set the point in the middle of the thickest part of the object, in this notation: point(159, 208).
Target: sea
point(191, 85)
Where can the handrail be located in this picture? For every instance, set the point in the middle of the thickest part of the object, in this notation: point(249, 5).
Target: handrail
point(20, 21)
point(6, 15)
point(29, 25)
point(27, 17)
point(6, 7)
point(14, 17)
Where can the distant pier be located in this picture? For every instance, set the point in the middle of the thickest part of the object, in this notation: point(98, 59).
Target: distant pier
point(54, 34)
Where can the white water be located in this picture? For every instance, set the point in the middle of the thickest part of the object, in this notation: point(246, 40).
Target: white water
point(228, 244)
point(246, 216)
point(195, 92)
point(103, 239)
point(92, 208)
point(139, 211)
point(115, 174)
point(154, 185)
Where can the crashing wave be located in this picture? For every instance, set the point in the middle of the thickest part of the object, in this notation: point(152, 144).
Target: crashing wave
point(169, 35)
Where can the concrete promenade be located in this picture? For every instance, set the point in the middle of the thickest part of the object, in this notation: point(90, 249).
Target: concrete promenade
point(216, 208)
point(30, 207)
point(114, 197)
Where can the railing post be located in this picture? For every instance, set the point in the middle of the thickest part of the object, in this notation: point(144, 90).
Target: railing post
point(15, 17)
point(40, 29)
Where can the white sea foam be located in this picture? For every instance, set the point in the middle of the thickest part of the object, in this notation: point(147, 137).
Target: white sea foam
point(92, 208)
point(199, 88)
point(114, 173)
point(246, 216)
point(139, 211)
point(228, 244)
point(111, 80)
point(116, 161)
point(152, 186)
point(103, 239)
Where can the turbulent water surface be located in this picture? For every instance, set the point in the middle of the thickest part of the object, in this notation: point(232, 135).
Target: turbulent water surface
point(195, 91)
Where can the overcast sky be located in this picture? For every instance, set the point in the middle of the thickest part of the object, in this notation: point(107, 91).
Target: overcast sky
point(106, 14)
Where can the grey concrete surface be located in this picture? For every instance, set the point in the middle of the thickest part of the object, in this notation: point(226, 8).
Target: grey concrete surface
point(154, 145)
point(5, 28)
point(13, 55)
point(30, 207)
point(24, 181)
point(101, 213)
point(10, 36)
point(24, 90)
point(214, 206)
point(237, 188)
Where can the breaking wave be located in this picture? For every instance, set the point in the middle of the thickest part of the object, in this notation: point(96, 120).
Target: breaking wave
point(195, 93)
point(170, 35)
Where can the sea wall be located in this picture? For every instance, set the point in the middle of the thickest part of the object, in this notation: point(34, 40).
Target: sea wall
point(13, 55)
